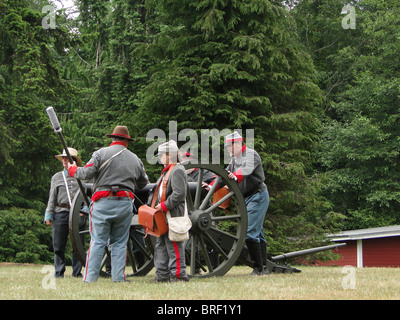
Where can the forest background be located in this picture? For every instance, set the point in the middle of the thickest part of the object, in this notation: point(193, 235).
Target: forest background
point(319, 85)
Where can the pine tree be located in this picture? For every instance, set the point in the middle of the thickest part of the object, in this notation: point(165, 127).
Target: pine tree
point(109, 70)
point(29, 82)
point(238, 64)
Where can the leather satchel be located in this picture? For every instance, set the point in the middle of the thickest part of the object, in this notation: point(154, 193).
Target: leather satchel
point(154, 221)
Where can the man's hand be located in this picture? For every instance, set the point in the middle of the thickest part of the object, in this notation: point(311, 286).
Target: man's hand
point(49, 223)
point(232, 176)
point(205, 185)
point(71, 165)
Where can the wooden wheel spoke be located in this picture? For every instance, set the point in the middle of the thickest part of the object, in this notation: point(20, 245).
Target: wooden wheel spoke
point(106, 257)
point(215, 245)
point(210, 193)
point(216, 205)
point(224, 233)
point(83, 232)
point(189, 200)
point(131, 257)
point(193, 251)
point(196, 203)
point(139, 246)
point(227, 217)
point(205, 254)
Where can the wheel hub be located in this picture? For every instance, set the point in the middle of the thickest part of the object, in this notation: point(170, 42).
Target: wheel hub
point(201, 221)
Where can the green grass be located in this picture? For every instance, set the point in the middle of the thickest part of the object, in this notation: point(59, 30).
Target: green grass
point(313, 283)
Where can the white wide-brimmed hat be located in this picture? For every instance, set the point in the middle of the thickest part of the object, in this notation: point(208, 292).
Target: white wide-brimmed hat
point(73, 153)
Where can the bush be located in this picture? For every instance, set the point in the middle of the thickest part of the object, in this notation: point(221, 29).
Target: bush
point(23, 237)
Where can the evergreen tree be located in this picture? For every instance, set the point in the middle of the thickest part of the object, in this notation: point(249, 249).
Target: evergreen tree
point(359, 146)
point(84, 114)
point(108, 70)
point(29, 82)
point(238, 64)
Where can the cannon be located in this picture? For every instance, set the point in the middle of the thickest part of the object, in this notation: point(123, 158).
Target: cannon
point(217, 236)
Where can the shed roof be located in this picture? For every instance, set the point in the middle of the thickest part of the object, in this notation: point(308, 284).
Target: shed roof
point(390, 231)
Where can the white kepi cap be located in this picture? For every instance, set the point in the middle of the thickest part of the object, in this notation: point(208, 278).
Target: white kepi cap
point(232, 137)
point(168, 147)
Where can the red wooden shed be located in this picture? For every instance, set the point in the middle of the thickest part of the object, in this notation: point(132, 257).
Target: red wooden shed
point(374, 247)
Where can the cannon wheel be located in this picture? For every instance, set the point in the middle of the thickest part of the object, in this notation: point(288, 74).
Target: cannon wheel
point(216, 238)
point(140, 249)
point(217, 235)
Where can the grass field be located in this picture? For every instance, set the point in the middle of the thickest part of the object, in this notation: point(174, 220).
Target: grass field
point(30, 282)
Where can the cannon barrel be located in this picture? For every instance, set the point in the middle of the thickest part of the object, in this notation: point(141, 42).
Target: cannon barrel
point(143, 194)
point(306, 251)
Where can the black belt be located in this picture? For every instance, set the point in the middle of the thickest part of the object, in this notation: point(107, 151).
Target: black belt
point(113, 188)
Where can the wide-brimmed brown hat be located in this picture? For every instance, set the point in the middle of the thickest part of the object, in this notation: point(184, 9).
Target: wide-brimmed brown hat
point(73, 153)
point(120, 132)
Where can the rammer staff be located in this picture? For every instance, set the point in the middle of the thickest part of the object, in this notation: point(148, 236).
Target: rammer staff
point(57, 128)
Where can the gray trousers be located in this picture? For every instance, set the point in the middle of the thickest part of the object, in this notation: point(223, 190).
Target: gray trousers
point(169, 259)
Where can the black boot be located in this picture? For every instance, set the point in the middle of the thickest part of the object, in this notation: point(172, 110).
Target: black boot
point(263, 247)
point(255, 256)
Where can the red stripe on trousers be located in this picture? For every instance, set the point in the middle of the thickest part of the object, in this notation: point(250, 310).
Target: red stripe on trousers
point(123, 271)
point(178, 260)
point(87, 256)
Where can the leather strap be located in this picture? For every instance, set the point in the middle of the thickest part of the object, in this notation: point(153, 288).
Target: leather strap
point(164, 181)
point(66, 186)
point(64, 205)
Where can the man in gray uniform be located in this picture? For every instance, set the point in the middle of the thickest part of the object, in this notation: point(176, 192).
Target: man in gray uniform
point(63, 188)
point(117, 173)
point(246, 168)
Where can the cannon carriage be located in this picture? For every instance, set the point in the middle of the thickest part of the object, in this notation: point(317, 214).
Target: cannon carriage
point(217, 236)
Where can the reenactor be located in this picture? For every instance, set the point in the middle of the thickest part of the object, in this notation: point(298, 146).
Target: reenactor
point(169, 256)
point(245, 167)
point(117, 174)
point(62, 191)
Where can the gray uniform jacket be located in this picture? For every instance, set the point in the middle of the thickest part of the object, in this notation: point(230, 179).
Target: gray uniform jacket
point(58, 193)
point(247, 167)
point(176, 191)
point(125, 170)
